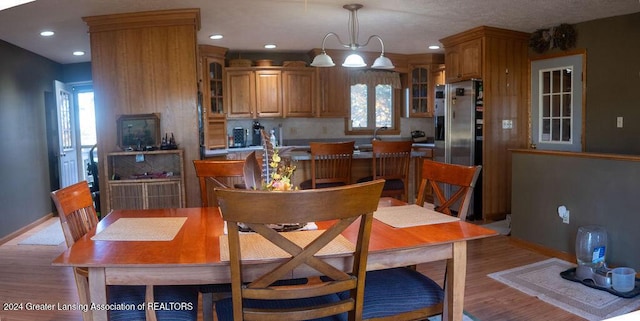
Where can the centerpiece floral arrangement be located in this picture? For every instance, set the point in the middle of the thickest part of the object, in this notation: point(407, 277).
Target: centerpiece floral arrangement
point(281, 173)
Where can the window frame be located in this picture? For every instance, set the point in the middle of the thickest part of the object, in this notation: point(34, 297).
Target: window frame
point(395, 103)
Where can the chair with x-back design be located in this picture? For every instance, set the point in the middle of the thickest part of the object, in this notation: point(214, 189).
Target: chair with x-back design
point(259, 297)
point(461, 178)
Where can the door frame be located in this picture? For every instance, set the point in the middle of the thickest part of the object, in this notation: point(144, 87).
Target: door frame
point(576, 52)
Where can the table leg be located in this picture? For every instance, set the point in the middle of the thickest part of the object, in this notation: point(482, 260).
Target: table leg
point(98, 293)
point(454, 287)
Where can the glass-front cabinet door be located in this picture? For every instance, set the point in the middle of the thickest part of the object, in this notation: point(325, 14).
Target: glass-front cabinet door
point(216, 108)
point(214, 123)
point(419, 106)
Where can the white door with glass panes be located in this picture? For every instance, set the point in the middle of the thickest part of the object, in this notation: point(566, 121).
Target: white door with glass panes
point(68, 149)
point(556, 103)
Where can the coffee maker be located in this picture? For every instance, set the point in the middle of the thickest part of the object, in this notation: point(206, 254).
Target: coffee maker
point(256, 139)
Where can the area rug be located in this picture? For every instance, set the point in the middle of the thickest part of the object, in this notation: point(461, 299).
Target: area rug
point(50, 235)
point(542, 280)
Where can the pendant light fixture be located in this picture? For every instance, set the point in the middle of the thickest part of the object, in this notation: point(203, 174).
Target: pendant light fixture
point(354, 59)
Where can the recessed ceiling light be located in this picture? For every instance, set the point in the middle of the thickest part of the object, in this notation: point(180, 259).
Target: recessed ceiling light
point(78, 53)
point(434, 47)
point(270, 46)
point(215, 37)
point(47, 33)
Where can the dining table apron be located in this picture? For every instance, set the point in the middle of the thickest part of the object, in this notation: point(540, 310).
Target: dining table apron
point(193, 255)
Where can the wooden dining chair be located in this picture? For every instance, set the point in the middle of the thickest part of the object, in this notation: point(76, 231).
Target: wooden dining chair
point(256, 297)
point(391, 161)
point(437, 175)
point(330, 165)
point(218, 173)
point(404, 293)
point(78, 216)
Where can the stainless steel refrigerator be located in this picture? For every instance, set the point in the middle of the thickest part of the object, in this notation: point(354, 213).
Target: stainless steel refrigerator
point(458, 125)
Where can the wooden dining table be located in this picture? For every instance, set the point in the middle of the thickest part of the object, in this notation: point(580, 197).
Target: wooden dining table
point(192, 256)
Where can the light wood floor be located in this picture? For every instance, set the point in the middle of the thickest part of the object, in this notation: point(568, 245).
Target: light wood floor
point(26, 276)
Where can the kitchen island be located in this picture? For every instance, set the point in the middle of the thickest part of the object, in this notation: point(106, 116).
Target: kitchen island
point(361, 167)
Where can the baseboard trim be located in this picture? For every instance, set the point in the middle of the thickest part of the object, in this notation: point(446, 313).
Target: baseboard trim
point(542, 249)
point(26, 228)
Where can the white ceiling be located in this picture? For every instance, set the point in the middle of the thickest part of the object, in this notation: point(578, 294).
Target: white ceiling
point(406, 26)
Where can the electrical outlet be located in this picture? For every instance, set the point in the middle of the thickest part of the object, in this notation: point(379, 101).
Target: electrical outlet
point(619, 122)
point(507, 124)
point(565, 217)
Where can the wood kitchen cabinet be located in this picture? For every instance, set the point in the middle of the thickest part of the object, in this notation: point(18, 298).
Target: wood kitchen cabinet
point(142, 180)
point(298, 88)
point(421, 83)
point(334, 92)
point(463, 60)
point(214, 121)
point(252, 93)
point(499, 58)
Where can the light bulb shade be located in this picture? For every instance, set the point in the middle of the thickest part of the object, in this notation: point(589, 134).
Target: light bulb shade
point(354, 60)
point(382, 62)
point(322, 60)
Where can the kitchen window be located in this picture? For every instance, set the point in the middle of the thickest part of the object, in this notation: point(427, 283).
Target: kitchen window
point(373, 101)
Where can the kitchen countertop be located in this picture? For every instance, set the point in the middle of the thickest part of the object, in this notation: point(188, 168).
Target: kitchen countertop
point(300, 152)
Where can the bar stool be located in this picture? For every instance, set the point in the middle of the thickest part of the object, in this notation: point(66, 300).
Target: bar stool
point(330, 165)
point(391, 161)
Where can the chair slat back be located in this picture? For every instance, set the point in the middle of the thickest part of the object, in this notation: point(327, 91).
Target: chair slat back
point(76, 210)
point(217, 173)
point(391, 161)
point(436, 175)
point(259, 209)
point(331, 162)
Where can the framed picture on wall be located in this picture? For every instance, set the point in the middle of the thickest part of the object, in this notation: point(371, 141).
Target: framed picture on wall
point(139, 132)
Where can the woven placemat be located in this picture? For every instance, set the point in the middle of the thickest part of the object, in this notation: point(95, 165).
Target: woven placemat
point(411, 215)
point(141, 229)
point(254, 246)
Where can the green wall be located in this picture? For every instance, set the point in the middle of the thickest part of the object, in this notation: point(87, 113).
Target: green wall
point(596, 191)
point(613, 83)
point(24, 163)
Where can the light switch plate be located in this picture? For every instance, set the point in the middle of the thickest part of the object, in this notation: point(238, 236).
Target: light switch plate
point(619, 122)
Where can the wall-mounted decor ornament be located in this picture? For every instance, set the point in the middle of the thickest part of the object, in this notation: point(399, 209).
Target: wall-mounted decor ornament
point(540, 40)
point(562, 36)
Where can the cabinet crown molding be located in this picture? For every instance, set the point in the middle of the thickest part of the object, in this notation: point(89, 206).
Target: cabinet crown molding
point(483, 31)
point(144, 19)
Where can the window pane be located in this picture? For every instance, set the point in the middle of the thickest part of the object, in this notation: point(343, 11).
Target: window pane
point(555, 129)
point(86, 111)
point(384, 112)
point(546, 82)
point(566, 105)
point(566, 80)
point(546, 106)
point(555, 106)
point(546, 130)
point(359, 106)
point(566, 130)
point(556, 81)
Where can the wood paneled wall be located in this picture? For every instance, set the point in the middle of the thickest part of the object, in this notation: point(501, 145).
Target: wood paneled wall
point(146, 63)
point(505, 76)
